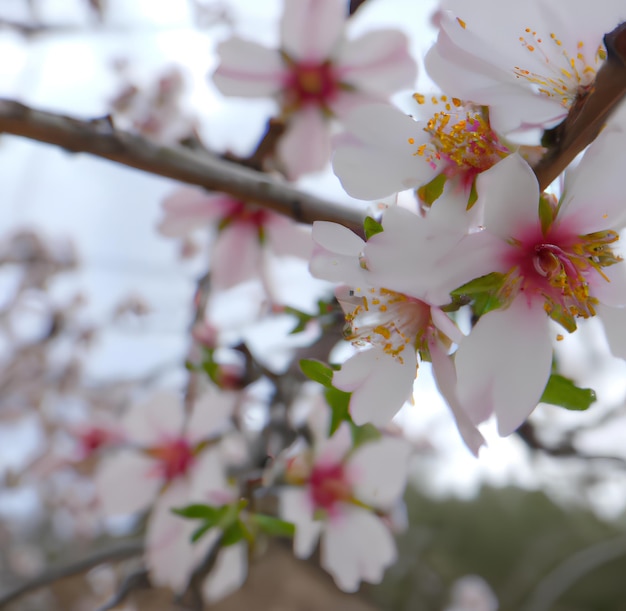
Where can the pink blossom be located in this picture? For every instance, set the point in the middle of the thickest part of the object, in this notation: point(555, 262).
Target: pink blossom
point(557, 265)
point(246, 234)
point(333, 494)
point(316, 74)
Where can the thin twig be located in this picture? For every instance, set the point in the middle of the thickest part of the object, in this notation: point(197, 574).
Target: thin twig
point(138, 579)
point(54, 574)
point(354, 6)
point(100, 138)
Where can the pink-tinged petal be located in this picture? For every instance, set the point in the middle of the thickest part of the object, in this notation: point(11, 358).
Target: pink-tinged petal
point(346, 101)
point(379, 470)
point(248, 69)
point(126, 482)
point(357, 546)
point(384, 160)
point(614, 321)
point(380, 384)
point(188, 209)
point(594, 190)
point(159, 417)
point(305, 146)
point(228, 573)
point(208, 482)
point(236, 256)
point(379, 61)
point(333, 450)
point(510, 195)
point(287, 238)
point(445, 378)
point(211, 415)
point(311, 29)
point(296, 507)
point(506, 359)
point(169, 554)
point(337, 238)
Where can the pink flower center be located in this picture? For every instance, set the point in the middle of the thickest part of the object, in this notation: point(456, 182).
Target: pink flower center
point(243, 213)
point(328, 485)
point(174, 458)
point(561, 267)
point(310, 84)
point(94, 438)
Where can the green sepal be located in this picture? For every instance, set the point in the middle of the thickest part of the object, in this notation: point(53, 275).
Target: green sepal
point(431, 191)
point(563, 392)
point(371, 227)
point(473, 196)
point(273, 526)
point(546, 214)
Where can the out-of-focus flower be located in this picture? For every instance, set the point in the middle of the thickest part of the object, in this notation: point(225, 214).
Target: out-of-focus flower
point(316, 74)
point(335, 493)
point(527, 61)
point(246, 234)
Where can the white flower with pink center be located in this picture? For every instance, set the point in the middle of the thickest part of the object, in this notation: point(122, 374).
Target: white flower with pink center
point(527, 61)
point(247, 236)
point(166, 464)
point(386, 151)
point(396, 282)
point(335, 493)
point(556, 262)
point(316, 74)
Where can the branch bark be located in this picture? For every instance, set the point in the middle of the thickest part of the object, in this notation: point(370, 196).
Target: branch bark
point(100, 138)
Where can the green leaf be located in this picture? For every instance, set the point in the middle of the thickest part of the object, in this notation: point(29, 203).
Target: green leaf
point(490, 283)
point(233, 534)
point(303, 319)
point(563, 392)
point(273, 526)
point(371, 227)
point(339, 402)
point(363, 434)
point(198, 512)
point(200, 532)
point(473, 196)
point(485, 302)
point(429, 192)
point(546, 214)
point(317, 371)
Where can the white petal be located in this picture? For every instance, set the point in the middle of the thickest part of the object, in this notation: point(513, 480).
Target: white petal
point(287, 238)
point(380, 469)
point(614, 321)
point(208, 482)
point(157, 418)
point(380, 384)
point(188, 209)
point(336, 253)
point(248, 69)
point(510, 195)
point(296, 507)
point(236, 256)
point(310, 29)
point(357, 546)
point(305, 146)
point(378, 61)
point(210, 415)
point(126, 482)
point(506, 359)
point(169, 553)
point(228, 573)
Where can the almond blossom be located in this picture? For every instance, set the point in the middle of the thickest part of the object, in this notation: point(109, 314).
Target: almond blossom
point(396, 282)
point(246, 234)
point(168, 465)
point(556, 263)
point(335, 493)
point(528, 61)
point(316, 74)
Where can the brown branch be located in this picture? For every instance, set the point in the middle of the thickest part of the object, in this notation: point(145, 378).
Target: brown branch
point(54, 574)
point(100, 138)
point(354, 6)
point(589, 113)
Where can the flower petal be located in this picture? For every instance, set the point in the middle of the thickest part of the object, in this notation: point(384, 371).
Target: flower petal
point(154, 420)
point(210, 415)
point(228, 573)
point(614, 321)
point(296, 507)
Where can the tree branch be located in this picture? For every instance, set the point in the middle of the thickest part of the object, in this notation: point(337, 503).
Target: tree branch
point(100, 138)
point(589, 112)
point(53, 574)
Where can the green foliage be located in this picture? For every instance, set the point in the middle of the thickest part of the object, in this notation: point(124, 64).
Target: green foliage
point(482, 292)
point(273, 526)
point(563, 392)
point(546, 214)
point(325, 310)
point(371, 227)
point(473, 196)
